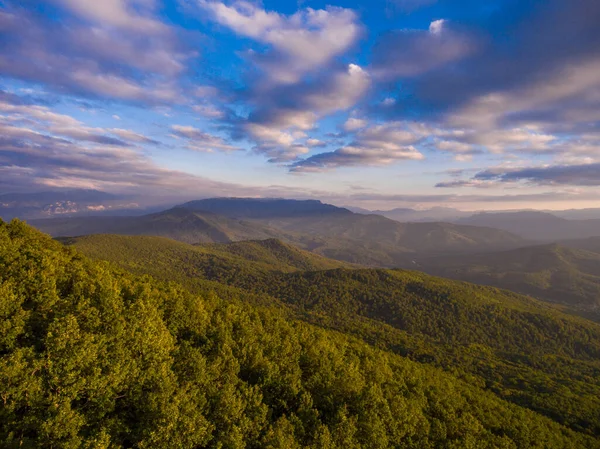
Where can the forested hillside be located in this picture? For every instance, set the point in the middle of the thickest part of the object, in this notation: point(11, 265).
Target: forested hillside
point(95, 357)
point(520, 349)
point(555, 273)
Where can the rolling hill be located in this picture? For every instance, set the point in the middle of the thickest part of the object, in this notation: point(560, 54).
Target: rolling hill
point(590, 244)
point(220, 262)
point(534, 225)
point(91, 356)
point(177, 223)
point(553, 272)
point(520, 349)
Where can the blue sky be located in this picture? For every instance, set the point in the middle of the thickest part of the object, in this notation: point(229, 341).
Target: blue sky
point(380, 103)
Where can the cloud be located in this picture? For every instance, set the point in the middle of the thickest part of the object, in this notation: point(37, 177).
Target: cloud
point(132, 136)
point(198, 140)
point(280, 121)
point(353, 124)
point(16, 114)
point(134, 15)
point(315, 143)
point(37, 155)
point(533, 62)
point(299, 44)
point(208, 111)
point(114, 49)
point(555, 175)
point(375, 145)
point(409, 53)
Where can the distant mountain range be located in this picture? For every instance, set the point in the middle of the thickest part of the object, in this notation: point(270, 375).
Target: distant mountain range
point(65, 203)
point(535, 225)
point(407, 214)
point(321, 228)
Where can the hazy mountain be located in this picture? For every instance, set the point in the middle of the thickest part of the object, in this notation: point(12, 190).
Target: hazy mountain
point(321, 228)
point(578, 214)
point(326, 221)
point(259, 208)
point(434, 214)
point(590, 244)
point(64, 203)
point(536, 225)
point(358, 210)
point(552, 272)
point(177, 223)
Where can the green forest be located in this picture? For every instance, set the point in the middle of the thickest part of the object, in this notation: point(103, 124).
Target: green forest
point(112, 343)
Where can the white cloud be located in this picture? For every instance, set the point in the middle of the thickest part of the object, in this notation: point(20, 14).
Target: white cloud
point(301, 43)
point(437, 26)
point(353, 124)
point(129, 14)
point(315, 143)
point(375, 145)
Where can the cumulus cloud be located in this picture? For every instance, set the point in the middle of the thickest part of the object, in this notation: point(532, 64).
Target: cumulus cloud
point(300, 43)
point(375, 145)
point(279, 123)
point(300, 80)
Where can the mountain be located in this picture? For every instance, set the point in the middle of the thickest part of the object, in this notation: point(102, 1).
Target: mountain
point(326, 230)
point(92, 356)
point(264, 208)
point(534, 225)
point(510, 345)
point(590, 244)
point(62, 203)
point(358, 210)
point(554, 273)
point(250, 259)
point(177, 223)
point(578, 214)
point(434, 214)
point(326, 221)
point(277, 255)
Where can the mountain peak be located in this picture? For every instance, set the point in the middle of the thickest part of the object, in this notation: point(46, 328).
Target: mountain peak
point(263, 207)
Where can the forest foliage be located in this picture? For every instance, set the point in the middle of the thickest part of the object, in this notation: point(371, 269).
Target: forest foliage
point(522, 350)
point(92, 356)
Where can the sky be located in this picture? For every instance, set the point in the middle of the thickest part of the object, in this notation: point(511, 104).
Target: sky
point(374, 103)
